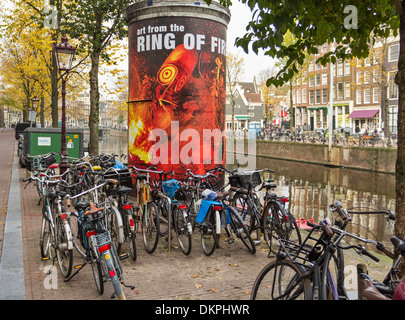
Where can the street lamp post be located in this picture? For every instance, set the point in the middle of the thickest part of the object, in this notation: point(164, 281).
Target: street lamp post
point(64, 58)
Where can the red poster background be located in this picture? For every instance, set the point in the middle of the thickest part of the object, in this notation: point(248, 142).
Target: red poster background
point(177, 85)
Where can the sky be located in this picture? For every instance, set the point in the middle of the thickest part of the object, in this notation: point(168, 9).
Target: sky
point(254, 64)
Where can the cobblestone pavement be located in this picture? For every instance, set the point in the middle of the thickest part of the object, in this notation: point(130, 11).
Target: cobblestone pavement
point(226, 275)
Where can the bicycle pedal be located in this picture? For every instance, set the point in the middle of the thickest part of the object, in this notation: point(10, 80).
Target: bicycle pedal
point(44, 259)
point(79, 266)
point(124, 256)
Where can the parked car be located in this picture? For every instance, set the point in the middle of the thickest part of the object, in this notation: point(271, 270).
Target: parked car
point(20, 127)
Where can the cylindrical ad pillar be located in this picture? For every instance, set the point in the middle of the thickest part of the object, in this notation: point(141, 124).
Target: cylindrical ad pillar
point(177, 59)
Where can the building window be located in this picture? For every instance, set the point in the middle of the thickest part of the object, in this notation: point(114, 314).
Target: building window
point(347, 68)
point(311, 97)
point(376, 95)
point(367, 97)
point(340, 90)
point(318, 96)
point(393, 118)
point(359, 76)
point(311, 66)
point(358, 96)
point(393, 53)
point(340, 69)
point(366, 77)
point(324, 95)
point(324, 47)
point(318, 66)
point(324, 79)
point(347, 90)
point(304, 95)
point(392, 86)
point(318, 79)
point(311, 81)
point(376, 75)
point(299, 96)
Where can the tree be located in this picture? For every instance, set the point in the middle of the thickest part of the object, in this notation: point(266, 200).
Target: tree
point(234, 72)
point(349, 24)
point(95, 24)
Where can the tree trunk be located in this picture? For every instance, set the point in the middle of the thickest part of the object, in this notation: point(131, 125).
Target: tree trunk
point(94, 104)
point(400, 163)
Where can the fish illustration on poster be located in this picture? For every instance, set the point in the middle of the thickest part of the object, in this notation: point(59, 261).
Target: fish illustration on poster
point(176, 94)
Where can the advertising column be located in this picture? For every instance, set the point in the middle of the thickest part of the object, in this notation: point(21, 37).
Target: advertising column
point(177, 58)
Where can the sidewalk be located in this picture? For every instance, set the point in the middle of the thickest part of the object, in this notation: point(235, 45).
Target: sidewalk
point(226, 275)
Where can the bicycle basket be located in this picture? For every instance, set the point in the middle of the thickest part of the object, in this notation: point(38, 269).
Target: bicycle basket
point(122, 175)
point(101, 239)
point(242, 180)
point(47, 161)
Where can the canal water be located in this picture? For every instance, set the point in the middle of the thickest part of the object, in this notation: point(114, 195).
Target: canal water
point(312, 188)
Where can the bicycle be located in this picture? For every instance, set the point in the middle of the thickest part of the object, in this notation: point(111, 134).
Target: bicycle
point(146, 210)
point(123, 210)
point(214, 215)
point(371, 289)
point(98, 248)
point(271, 219)
point(308, 265)
point(55, 231)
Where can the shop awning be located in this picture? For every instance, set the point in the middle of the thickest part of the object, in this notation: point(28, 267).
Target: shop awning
point(363, 114)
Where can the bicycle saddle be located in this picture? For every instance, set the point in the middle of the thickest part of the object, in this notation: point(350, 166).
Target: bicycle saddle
point(82, 205)
point(124, 190)
point(269, 185)
point(399, 244)
point(141, 177)
point(93, 209)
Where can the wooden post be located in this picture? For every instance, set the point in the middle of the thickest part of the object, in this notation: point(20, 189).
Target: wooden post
point(361, 268)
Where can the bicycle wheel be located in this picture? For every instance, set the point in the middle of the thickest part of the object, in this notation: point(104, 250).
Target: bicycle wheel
point(163, 217)
point(150, 226)
point(132, 245)
point(97, 272)
point(63, 254)
point(209, 238)
point(240, 230)
point(351, 141)
point(181, 229)
point(240, 203)
point(115, 221)
point(46, 238)
point(280, 280)
point(278, 223)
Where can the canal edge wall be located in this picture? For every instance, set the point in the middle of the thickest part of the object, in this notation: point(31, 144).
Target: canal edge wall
point(358, 158)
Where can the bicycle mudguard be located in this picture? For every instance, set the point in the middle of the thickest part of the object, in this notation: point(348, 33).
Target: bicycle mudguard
point(121, 237)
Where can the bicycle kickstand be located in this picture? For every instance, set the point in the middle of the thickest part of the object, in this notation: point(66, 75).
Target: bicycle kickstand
point(78, 268)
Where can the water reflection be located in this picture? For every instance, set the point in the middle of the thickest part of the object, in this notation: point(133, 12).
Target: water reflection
point(312, 188)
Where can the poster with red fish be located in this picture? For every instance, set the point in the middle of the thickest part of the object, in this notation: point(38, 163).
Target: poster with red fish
point(176, 94)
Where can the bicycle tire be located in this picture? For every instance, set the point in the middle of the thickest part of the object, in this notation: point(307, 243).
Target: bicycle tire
point(240, 204)
point(279, 223)
point(115, 227)
point(163, 217)
point(63, 253)
point(150, 226)
point(45, 238)
point(97, 272)
point(209, 239)
point(241, 231)
point(132, 246)
point(181, 230)
point(278, 281)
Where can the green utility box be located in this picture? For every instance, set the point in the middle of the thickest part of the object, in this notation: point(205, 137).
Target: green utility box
point(44, 140)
